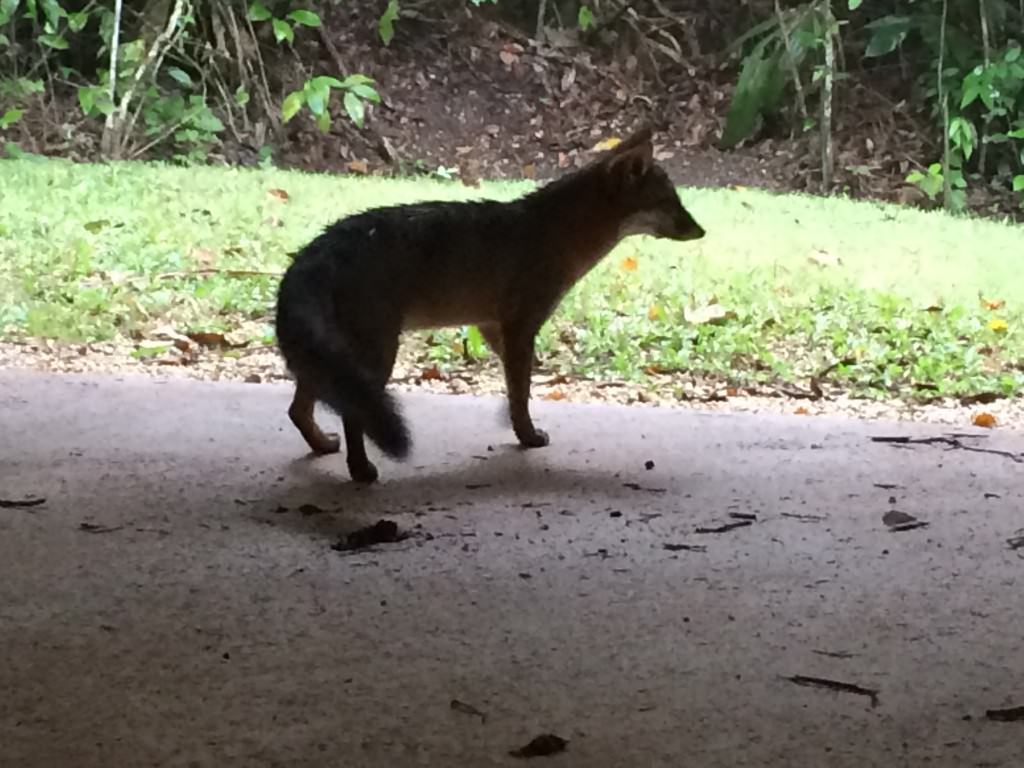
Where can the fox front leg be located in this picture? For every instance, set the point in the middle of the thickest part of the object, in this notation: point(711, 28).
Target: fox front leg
point(516, 348)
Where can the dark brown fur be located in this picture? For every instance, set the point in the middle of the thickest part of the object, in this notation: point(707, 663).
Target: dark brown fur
point(503, 267)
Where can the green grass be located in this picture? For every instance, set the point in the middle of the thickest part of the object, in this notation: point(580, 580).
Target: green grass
point(93, 252)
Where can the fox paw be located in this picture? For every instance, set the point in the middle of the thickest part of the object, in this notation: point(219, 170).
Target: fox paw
point(328, 442)
point(362, 472)
point(537, 438)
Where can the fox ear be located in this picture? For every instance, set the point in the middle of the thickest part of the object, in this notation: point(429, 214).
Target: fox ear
point(627, 166)
point(638, 138)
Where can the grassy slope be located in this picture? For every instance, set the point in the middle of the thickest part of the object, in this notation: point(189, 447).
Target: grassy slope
point(83, 248)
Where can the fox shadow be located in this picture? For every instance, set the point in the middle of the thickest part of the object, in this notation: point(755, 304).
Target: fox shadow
point(321, 500)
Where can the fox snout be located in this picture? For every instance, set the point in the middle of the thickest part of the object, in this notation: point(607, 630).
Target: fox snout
point(685, 228)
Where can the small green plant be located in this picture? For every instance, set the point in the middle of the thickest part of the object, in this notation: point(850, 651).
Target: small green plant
point(189, 122)
point(284, 26)
point(585, 18)
point(929, 181)
point(386, 22)
point(316, 95)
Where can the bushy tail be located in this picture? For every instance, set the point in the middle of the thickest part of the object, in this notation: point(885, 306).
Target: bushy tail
point(316, 351)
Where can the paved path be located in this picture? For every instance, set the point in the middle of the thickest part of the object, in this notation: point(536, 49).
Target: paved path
point(201, 617)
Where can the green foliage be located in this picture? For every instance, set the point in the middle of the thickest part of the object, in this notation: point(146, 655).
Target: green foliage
point(165, 96)
point(767, 65)
point(886, 35)
point(10, 117)
point(932, 180)
point(283, 26)
point(386, 23)
point(585, 18)
point(192, 125)
point(316, 95)
point(983, 75)
point(392, 12)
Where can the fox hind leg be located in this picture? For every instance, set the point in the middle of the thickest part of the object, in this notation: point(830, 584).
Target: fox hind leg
point(301, 414)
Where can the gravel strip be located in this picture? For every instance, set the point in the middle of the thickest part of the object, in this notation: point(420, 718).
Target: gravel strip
point(261, 364)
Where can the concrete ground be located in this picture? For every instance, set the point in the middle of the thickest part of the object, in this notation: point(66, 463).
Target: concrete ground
point(173, 604)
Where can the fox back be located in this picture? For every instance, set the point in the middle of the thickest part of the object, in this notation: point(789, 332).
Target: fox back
point(438, 264)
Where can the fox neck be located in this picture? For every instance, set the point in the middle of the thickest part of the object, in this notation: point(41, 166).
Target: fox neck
point(583, 223)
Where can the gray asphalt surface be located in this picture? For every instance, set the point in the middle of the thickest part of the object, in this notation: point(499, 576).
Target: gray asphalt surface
point(201, 618)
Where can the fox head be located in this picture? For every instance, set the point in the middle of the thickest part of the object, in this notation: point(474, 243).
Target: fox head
point(644, 194)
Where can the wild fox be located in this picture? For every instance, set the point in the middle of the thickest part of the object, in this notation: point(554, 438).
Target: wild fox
point(502, 266)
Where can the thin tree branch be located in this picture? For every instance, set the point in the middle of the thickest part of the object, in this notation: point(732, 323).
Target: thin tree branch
point(115, 44)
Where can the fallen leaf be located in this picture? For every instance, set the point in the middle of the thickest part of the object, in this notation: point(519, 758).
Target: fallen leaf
point(237, 337)
point(629, 264)
point(894, 517)
point(712, 313)
point(1007, 715)
point(606, 144)
point(97, 225)
point(563, 160)
point(568, 79)
point(430, 374)
point(684, 547)
point(654, 312)
point(542, 746)
point(280, 194)
point(998, 325)
point(209, 338)
point(381, 532)
point(358, 166)
point(984, 419)
point(467, 709)
point(508, 58)
point(97, 528)
point(21, 503)
point(166, 333)
point(154, 345)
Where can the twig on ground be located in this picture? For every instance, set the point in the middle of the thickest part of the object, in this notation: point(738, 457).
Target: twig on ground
point(21, 503)
point(724, 528)
point(835, 685)
point(1008, 715)
point(952, 440)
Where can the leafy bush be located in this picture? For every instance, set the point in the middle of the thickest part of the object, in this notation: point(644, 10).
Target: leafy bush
point(159, 76)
